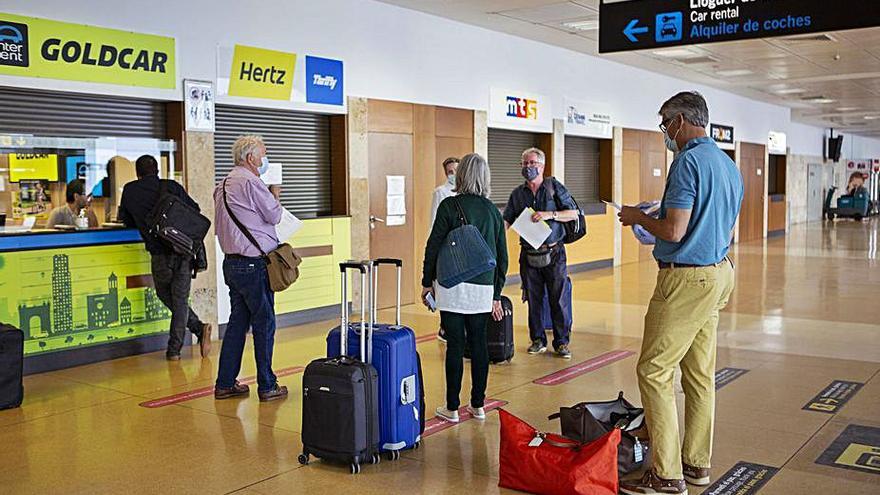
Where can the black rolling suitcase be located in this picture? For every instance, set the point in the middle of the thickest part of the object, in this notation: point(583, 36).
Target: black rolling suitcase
point(499, 335)
point(340, 420)
point(11, 366)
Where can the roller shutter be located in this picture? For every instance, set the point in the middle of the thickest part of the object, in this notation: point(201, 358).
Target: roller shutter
point(44, 113)
point(505, 157)
point(299, 140)
point(582, 168)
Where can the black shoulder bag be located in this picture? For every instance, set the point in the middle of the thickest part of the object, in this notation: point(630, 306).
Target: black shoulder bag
point(575, 229)
point(177, 224)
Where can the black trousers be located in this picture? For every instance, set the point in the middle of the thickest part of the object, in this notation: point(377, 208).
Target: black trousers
point(551, 278)
point(172, 276)
point(456, 326)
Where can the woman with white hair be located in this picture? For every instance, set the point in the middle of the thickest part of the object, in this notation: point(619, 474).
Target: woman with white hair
point(465, 308)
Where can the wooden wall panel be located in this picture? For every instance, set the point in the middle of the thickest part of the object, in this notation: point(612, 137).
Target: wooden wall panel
point(629, 252)
point(389, 116)
point(599, 241)
point(339, 165)
point(455, 122)
point(424, 181)
point(776, 220)
point(751, 225)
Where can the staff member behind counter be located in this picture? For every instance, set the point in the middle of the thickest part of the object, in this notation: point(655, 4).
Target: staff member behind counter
point(76, 201)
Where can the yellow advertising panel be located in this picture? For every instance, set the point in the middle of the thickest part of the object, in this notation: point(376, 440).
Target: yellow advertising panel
point(31, 166)
point(261, 73)
point(33, 47)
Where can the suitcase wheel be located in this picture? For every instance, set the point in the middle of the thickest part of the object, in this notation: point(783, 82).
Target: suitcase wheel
point(303, 459)
point(393, 455)
point(355, 468)
point(417, 445)
point(376, 459)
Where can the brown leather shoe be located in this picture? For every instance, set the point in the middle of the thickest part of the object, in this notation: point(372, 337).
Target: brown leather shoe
point(205, 340)
point(279, 392)
point(696, 476)
point(653, 484)
point(236, 390)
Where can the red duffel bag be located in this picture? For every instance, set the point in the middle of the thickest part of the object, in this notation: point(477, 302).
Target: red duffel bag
point(549, 464)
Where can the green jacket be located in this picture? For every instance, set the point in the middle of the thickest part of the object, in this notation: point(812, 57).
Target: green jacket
point(483, 215)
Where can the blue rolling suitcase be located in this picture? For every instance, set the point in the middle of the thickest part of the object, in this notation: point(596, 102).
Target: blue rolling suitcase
point(546, 317)
point(392, 351)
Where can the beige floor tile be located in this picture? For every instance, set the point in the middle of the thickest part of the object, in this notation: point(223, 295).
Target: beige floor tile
point(791, 481)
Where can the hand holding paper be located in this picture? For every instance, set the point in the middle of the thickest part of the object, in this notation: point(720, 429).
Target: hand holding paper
point(535, 233)
point(288, 226)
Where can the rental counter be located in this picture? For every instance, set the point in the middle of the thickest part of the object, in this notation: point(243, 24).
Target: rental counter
point(79, 296)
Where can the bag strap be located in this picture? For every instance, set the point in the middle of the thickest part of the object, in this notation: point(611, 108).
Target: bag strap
point(565, 445)
point(555, 197)
point(238, 224)
point(461, 215)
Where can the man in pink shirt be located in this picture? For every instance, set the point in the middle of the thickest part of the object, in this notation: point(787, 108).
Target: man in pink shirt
point(246, 213)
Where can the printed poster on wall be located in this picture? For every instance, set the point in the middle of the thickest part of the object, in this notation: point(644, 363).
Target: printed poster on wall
point(587, 119)
point(32, 47)
point(198, 98)
point(777, 143)
point(519, 110)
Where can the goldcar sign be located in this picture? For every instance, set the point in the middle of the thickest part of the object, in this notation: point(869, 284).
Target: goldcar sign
point(33, 47)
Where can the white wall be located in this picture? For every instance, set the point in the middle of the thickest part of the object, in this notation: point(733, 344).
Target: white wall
point(398, 54)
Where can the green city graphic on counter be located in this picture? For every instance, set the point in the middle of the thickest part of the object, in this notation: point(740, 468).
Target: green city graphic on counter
point(63, 298)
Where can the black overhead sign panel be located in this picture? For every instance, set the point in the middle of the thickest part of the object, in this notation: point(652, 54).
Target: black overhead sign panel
point(641, 24)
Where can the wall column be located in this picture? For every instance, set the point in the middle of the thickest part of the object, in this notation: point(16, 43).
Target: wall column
point(558, 153)
point(481, 133)
point(617, 190)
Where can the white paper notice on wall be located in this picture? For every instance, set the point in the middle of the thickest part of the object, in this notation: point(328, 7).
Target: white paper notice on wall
point(273, 176)
point(2, 184)
point(658, 172)
point(395, 204)
point(395, 185)
point(760, 171)
point(395, 220)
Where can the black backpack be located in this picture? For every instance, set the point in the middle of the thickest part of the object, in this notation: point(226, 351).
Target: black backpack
point(177, 224)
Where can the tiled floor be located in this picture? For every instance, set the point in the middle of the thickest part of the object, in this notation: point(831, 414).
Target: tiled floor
point(805, 313)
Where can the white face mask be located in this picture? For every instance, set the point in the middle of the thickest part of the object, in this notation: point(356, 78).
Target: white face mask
point(264, 165)
point(450, 179)
point(671, 143)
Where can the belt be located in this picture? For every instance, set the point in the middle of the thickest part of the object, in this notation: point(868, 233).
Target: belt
point(240, 257)
point(663, 265)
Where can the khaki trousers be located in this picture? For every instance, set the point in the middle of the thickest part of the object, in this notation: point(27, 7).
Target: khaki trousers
point(681, 330)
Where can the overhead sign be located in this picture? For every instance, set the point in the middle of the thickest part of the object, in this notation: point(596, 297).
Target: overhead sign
point(324, 81)
point(519, 110)
point(777, 143)
point(261, 73)
point(587, 119)
point(722, 134)
point(32, 47)
point(641, 24)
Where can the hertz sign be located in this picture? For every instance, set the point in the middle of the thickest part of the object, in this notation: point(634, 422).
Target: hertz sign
point(33, 47)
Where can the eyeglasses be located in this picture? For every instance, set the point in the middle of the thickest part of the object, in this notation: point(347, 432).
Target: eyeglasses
point(665, 124)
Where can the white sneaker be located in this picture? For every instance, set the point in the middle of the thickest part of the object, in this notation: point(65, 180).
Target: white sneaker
point(477, 412)
point(447, 415)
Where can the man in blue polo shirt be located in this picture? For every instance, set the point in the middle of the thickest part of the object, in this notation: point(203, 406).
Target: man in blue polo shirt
point(703, 195)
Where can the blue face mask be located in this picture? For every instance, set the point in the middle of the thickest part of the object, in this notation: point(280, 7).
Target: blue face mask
point(264, 165)
point(671, 143)
point(450, 179)
point(530, 173)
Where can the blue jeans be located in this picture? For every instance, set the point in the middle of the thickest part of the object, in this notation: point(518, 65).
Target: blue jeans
point(552, 279)
point(253, 307)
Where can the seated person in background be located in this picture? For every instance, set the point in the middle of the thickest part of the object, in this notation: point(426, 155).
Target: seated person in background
point(76, 200)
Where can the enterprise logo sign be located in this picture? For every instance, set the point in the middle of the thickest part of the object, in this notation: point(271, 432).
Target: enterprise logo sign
point(13, 44)
point(522, 108)
point(324, 81)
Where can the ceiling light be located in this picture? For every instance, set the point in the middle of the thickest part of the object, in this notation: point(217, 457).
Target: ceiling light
point(790, 91)
point(734, 72)
point(676, 53)
point(847, 109)
point(872, 117)
point(818, 99)
point(591, 25)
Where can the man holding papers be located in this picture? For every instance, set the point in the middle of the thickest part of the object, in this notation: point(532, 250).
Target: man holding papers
point(536, 210)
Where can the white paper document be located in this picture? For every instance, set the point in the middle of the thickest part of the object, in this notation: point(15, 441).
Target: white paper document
point(288, 226)
point(535, 233)
point(395, 220)
point(612, 204)
point(395, 185)
point(396, 204)
point(272, 177)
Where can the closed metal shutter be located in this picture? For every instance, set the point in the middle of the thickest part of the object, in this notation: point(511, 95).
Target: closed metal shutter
point(299, 140)
point(505, 159)
point(43, 113)
point(582, 168)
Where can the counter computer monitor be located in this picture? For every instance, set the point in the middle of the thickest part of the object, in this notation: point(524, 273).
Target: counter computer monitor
point(76, 169)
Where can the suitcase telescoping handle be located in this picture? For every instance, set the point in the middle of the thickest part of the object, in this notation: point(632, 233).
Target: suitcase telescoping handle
point(386, 261)
point(346, 317)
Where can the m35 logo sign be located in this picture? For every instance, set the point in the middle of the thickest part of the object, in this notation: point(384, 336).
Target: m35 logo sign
point(32, 47)
point(13, 44)
point(522, 108)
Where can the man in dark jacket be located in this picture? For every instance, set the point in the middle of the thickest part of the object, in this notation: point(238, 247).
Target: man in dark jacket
point(172, 272)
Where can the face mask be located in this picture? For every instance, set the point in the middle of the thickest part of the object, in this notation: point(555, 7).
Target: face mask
point(671, 144)
point(450, 179)
point(264, 165)
point(530, 173)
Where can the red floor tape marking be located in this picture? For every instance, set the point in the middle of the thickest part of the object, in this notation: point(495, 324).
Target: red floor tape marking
point(206, 391)
point(426, 338)
point(437, 424)
point(587, 366)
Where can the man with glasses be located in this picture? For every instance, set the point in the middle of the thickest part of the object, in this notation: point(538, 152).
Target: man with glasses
point(702, 199)
point(545, 268)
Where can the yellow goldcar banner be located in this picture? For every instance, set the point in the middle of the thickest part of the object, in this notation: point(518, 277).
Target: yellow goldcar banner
point(261, 73)
point(33, 47)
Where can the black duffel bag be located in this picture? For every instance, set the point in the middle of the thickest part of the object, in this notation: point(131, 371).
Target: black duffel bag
point(588, 421)
point(177, 224)
point(576, 229)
